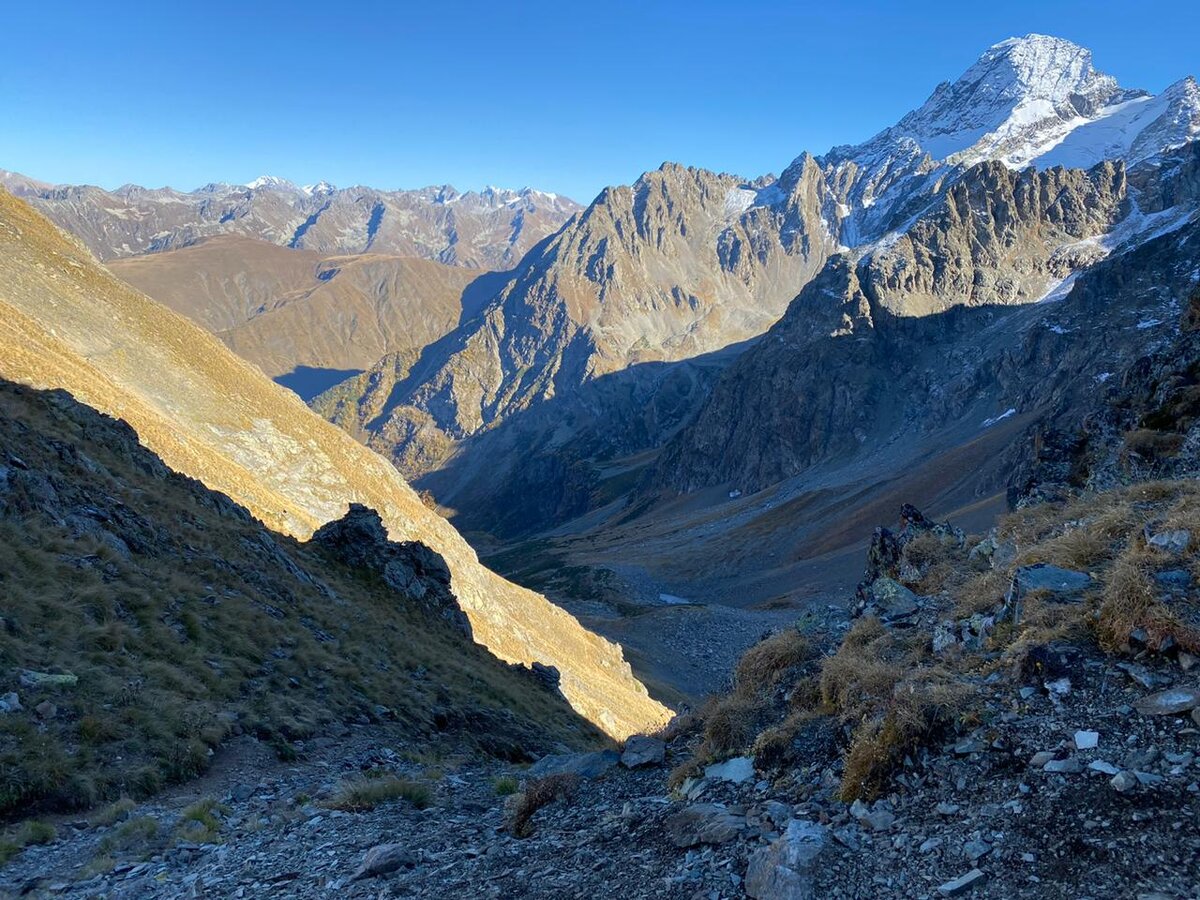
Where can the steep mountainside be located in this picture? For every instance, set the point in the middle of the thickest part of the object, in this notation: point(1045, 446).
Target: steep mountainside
point(686, 262)
point(490, 229)
point(149, 619)
point(941, 329)
point(682, 263)
point(303, 318)
point(69, 323)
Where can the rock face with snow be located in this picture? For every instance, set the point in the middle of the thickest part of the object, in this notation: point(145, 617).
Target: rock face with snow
point(1035, 100)
point(489, 229)
point(686, 262)
point(932, 340)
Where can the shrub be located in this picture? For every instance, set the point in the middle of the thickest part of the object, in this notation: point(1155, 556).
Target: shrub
point(538, 793)
point(505, 785)
point(115, 812)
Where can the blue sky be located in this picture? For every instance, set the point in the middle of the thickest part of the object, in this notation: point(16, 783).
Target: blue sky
point(563, 96)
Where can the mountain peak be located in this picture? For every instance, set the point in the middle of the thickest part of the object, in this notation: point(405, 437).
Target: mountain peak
point(270, 181)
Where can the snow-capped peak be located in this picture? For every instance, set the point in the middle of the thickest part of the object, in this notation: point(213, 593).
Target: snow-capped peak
point(270, 181)
point(1033, 100)
point(1020, 94)
point(321, 187)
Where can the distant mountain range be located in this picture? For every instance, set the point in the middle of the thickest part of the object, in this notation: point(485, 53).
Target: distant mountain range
point(489, 229)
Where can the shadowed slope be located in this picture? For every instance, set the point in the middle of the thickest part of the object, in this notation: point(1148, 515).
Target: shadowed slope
point(69, 323)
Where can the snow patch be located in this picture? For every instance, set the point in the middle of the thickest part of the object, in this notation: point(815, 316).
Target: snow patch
point(988, 423)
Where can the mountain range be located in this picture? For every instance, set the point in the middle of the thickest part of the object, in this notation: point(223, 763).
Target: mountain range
point(697, 335)
point(490, 229)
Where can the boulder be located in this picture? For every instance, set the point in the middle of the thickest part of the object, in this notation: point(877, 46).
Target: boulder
point(641, 750)
point(784, 870)
point(1169, 702)
point(704, 823)
point(1061, 585)
point(383, 860)
point(737, 770)
point(10, 703)
point(584, 765)
point(1173, 542)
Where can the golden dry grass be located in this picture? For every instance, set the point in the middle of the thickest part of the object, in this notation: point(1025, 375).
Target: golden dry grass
point(538, 793)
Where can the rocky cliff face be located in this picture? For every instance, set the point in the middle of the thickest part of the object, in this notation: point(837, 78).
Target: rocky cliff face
point(682, 263)
point(491, 229)
point(69, 323)
point(974, 314)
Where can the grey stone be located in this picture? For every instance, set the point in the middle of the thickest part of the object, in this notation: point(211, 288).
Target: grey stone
point(1169, 702)
point(1063, 585)
point(1103, 767)
point(585, 765)
point(877, 819)
point(704, 823)
point(944, 637)
point(641, 750)
point(46, 710)
point(1174, 579)
point(383, 860)
point(929, 845)
point(1173, 542)
point(976, 850)
point(692, 788)
point(784, 870)
point(1149, 779)
point(1039, 759)
point(10, 702)
point(736, 770)
point(1123, 782)
point(961, 883)
point(1086, 740)
point(1068, 766)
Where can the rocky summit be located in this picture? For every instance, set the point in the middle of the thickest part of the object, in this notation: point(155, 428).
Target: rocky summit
point(832, 533)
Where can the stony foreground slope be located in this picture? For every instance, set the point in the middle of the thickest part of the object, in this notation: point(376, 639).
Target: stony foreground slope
point(69, 323)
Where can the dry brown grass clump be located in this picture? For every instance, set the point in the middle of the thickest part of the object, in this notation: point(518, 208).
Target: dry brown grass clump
point(920, 706)
point(538, 793)
point(1131, 603)
point(885, 686)
point(1151, 444)
point(763, 665)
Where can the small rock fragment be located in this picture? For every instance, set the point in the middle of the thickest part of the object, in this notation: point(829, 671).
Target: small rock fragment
point(1086, 740)
point(736, 770)
point(961, 883)
point(1123, 782)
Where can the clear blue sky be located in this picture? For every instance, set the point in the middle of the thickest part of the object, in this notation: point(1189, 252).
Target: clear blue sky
point(563, 96)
